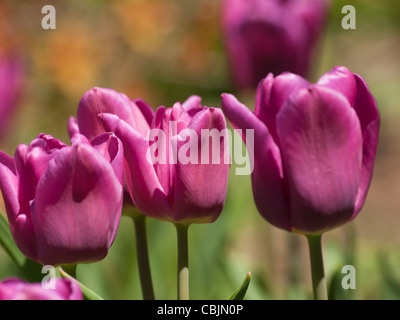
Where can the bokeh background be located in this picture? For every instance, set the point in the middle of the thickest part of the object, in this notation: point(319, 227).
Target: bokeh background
point(165, 51)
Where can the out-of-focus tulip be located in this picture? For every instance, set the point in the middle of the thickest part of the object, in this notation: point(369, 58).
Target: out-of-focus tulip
point(17, 289)
point(263, 36)
point(185, 184)
point(11, 81)
point(64, 202)
point(314, 148)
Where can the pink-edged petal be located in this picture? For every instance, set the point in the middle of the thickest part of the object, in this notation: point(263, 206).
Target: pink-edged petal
point(143, 184)
point(77, 207)
point(321, 147)
point(200, 181)
point(267, 177)
point(368, 114)
point(271, 95)
point(342, 80)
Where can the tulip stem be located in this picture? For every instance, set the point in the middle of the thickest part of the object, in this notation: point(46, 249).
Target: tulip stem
point(143, 257)
point(70, 269)
point(317, 267)
point(183, 261)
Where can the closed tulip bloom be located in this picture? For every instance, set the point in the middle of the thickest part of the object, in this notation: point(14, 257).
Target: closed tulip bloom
point(137, 113)
point(183, 189)
point(314, 148)
point(263, 36)
point(17, 289)
point(64, 202)
point(11, 82)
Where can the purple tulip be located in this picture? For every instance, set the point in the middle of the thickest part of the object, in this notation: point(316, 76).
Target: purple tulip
point(263, 36)
point(16, 289)
point(137, 113)
point(314, 148)
point(174, 189)
point(64, 202)
point(11, 81)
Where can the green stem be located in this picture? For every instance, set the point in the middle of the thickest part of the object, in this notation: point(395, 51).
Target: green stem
point(70, 269)
point(143, 257)
point(317, 267)
point(183, 262)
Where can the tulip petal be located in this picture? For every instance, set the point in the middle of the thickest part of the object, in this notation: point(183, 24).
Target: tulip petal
point(267, 177)
point(16, 202)
point(112, 149)
point(78, 189)
point(368, 114)
point(321, 146)
point(101, 100)
point(9, 185)
point(272, 93)
point(342, 80)
point(143, 184)
point(73, 127)
point(200, 188)
point(145, 109)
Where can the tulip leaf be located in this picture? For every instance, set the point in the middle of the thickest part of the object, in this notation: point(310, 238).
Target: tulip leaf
point(88, 294)
point(7, 242)
point(241, 291)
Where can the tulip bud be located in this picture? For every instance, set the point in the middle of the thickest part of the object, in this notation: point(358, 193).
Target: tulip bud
point(263, 36)
point(16, 289)
point(314, 148)
point(64, 202)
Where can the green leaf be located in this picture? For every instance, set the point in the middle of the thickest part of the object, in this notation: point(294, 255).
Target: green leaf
point(88, 294)
point(7, 242)
point(241, 291)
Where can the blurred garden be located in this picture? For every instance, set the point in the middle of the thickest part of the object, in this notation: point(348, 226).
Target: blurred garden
point(164, 52)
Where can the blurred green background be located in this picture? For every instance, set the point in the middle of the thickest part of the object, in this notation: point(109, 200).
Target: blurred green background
point(164, 51)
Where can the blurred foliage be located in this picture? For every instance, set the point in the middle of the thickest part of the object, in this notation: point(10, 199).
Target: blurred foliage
point(164, 51)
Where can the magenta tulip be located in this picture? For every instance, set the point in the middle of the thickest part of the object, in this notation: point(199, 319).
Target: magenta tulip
point(11, 81)
point(16, 289)
point(64, 202)
point(314, 148)
point(263, 36)
point(180, 188)
point(137, 113)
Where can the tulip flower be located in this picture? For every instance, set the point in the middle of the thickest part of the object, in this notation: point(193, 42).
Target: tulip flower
point(263, 36)
point(139, 115)
point(17, 289)
point(314, 148)
point(11, 81)
point(95, 101)
point(171, 189)
point(164, 181)
point(64, 202)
